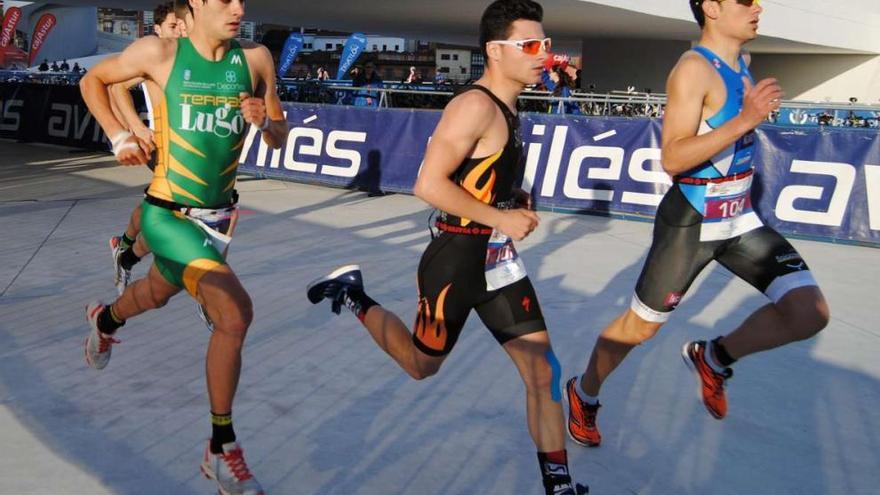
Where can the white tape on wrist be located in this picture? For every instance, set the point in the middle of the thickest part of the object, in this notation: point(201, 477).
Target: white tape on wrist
point(119, 144)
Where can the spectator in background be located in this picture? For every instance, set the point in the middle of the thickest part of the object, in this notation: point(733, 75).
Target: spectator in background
point(367, 78)
point(76, 68)
point(414, 77)
point(55, 67)
point(371, 75)
point(44, 67)
point(357, 76)
point(323, 75)
point(65, 67)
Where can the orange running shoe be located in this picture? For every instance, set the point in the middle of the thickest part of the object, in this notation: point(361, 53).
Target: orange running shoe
point(711, 382)
point(581, 418)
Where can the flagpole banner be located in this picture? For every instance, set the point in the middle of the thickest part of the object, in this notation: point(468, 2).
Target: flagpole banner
point(355, 45)
point(41, 31)
point(291, 49)
point(7, 29)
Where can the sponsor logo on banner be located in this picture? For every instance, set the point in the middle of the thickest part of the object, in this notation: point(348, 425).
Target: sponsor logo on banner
point(10, 20)
point(41, 32)
point(355, 45)
point(607, 165)
point(10, 115)
point(291, 49)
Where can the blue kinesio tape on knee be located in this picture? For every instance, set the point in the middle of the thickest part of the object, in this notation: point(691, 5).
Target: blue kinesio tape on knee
point(555, 390)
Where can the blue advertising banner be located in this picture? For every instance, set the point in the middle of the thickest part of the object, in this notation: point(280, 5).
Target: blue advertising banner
point(814, 182)
point(291, 49)
point(355, 45)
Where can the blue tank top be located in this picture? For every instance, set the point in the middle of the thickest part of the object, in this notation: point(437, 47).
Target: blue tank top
point(736, 158)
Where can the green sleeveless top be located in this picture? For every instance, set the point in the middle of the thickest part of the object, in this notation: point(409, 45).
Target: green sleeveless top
point(199, 127)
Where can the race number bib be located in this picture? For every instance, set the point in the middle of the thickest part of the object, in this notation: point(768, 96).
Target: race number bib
point(728, 209)
point(216, 224)
point(503, 264)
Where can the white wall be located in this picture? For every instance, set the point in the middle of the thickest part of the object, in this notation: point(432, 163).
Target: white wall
point(75, 34)
point(614, 64)
point(319, 43)
point(458, 70)
point(823, 77)
point(847, 24)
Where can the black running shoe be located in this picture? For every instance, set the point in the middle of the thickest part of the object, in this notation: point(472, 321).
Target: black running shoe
point(335, 285)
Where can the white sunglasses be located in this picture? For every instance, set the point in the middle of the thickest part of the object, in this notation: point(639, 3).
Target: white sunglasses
point(530, 46)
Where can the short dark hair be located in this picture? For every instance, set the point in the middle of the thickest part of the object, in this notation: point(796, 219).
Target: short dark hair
point(181, 7)
point(161, 13)
point(501, 14)
point(697, 9)
point(189, 7)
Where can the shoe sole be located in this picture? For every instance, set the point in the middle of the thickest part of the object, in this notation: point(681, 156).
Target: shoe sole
point(691, 366)
point(335, 273)
point(568, 429)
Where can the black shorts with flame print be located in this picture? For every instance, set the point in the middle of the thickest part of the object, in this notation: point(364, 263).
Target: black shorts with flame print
point(452, 281)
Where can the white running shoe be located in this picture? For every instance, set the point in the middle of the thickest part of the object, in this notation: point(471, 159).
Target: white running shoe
point(230, 471)
point(98, 346)
point(203, 315)
point(121, 276)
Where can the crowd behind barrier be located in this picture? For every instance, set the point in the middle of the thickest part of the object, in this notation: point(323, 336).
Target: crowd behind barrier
point(436, 96)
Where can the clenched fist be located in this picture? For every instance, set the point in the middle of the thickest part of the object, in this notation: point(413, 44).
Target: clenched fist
point(253, 110)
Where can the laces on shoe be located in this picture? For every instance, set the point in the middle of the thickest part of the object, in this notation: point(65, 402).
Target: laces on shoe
point(235, 462)
point(590, 414)
point(720, 379)
point(105, 342)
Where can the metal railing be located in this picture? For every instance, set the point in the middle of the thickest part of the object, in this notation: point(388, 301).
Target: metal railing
point(436, 96)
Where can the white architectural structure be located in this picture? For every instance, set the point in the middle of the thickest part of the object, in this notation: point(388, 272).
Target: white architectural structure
point(818, 49)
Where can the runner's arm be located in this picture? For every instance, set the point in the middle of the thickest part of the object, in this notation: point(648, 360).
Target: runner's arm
point(683, 149)
point(276, 133)
point(464, 122)
point(129, 64)
point(121, 97)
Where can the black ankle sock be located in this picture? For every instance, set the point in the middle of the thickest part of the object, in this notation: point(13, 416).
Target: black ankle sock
point(108, 323)
point(554, 469)
point(724, 358)
point(221, 431)
point(125, 240)
point(128, 259)
point(359, 302)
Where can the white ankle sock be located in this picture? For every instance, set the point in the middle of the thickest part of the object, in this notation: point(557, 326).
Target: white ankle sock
point(589, 399)
point(710, 358)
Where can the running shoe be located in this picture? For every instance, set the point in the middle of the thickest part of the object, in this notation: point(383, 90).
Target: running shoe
point(711, 382)
point(335, 286)
point(98, 346)
point(203, 315)
point(582, 426)
point(230, 471)
point(121, 276)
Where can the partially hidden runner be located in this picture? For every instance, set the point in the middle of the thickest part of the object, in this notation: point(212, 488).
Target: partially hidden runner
point(212, 88)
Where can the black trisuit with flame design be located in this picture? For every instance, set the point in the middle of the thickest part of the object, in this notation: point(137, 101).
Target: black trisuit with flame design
point(451, 276)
